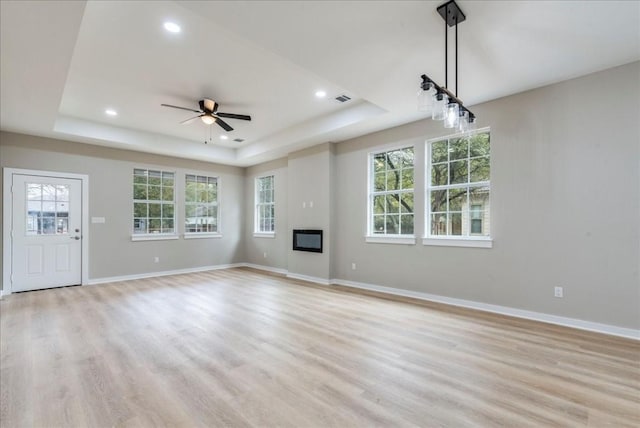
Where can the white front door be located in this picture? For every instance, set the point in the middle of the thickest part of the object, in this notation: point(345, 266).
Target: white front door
point(46, 232)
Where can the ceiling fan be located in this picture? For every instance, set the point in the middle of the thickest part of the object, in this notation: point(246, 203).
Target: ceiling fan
point(209, 114)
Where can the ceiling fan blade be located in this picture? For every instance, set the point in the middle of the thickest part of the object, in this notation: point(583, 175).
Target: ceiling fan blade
point(224, 124)
point(188, 121)
point(235, 116)
point(181, 108)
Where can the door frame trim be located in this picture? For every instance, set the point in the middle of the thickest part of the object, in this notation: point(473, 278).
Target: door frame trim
point(7, 221)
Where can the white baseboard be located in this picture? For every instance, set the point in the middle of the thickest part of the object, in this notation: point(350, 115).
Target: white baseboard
point(288, 274)
point(308, 278)
point(265, 268)
point(163, 273)
point(628, 333)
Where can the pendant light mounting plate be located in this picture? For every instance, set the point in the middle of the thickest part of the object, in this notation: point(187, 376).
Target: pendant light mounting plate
point(451, 13)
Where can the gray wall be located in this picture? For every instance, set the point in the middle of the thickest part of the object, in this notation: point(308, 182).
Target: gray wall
point(309, 198)
point(111, 251)
point(275, 248)
point(303, 198)
point(565, 206)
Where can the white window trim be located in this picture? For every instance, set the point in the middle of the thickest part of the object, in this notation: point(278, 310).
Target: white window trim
point(264, 234)
point(472, 242)
point(154, 236)
point(449, 241)
point(192, 235)
point(391, 239)
point(201, 235)
point(256, 217)
point(383, 238)
point(157, 236)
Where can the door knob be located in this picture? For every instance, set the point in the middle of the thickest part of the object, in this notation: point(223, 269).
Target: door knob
point(75, 237)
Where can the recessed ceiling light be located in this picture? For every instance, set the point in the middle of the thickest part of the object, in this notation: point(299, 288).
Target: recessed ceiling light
point(111, 112)
point(321, 94)
point(224, 137)
point(171, 27)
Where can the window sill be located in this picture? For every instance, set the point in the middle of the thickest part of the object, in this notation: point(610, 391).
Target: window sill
point(154, 237)
point(264, 235)
point(391, 239)
point(459, 242)
point(202, 235)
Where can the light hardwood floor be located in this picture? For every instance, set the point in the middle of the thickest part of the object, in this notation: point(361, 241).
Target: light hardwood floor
point(240, 348)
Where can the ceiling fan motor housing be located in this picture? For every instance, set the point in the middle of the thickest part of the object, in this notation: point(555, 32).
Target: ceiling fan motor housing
point(209, 114)
point(208, 105)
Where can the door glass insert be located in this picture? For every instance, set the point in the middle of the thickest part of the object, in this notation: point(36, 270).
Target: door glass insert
point(47, 209)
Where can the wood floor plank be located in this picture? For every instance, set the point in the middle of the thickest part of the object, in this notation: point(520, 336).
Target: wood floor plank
point(241, 348)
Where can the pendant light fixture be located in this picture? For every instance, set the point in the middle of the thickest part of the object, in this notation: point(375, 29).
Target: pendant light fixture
point(443, 103)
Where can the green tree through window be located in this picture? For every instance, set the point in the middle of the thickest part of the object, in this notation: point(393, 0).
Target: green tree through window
point(153, 202)
point(391, 192)
point(458, 188)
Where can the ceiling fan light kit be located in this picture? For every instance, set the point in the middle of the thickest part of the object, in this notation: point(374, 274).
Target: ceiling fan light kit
point(444, 104)
point(208, 119)
point(209, 114)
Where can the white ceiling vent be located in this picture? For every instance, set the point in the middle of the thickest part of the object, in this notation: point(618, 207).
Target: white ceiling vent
point(343, 98)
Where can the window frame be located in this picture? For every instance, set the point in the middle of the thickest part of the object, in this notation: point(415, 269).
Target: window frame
point(196, 235)
point(153, 236)
point(257, 205)
point(469, 240)
point(380, 238)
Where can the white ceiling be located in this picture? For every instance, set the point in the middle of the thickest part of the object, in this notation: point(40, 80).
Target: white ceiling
point(64, 62)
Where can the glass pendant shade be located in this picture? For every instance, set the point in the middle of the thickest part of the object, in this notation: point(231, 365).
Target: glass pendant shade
point(440, 102)
point(425, 99)
point(463, 125)
point(452, 119)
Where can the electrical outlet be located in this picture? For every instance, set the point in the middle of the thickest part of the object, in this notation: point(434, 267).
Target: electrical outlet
point(353, 266)
point(156, 259)
point(558, 292)
point(265, 254)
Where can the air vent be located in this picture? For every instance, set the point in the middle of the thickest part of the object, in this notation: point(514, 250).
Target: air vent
point(343, 98)
point(238, 140)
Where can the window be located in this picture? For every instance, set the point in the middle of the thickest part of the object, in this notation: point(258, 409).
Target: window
point(47, 209)
point(153, 202)
point(201, 204)
point(458, 187)
point(391, 193)
point(265, 205)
